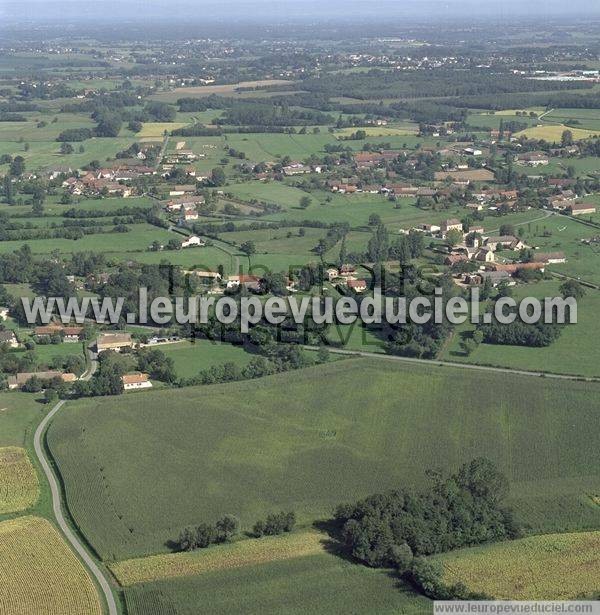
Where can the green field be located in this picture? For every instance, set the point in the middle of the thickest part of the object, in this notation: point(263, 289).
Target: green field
point(190, 358)
point(19, 413)
point(575, 352)
point(317, 584)
point(310, 439)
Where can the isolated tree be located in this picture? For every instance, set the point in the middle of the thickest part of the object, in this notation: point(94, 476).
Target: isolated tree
point(248, 247)
point(17, 166)
point(217, 176)
point(305, 201)
point(567, 138)
point(66, 148)
point(454, 236)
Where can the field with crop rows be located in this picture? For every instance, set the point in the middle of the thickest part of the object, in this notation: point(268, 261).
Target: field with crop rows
point(550, 567)
point(310, 439)
point(40, 574)
point(236, 555)
point(320, 584)
point(19, 487)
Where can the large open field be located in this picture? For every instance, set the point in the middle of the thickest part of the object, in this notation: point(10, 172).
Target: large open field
point(40, 574)
point(320, 584)
point(146, 466)
point(18, 481)
point(227, 89)
point(550, 567)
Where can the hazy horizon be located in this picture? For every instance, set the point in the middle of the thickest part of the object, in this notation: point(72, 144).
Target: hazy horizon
point(269, 11)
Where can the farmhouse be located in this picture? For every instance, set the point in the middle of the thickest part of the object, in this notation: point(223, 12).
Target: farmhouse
point(358, 286)
point(9, 338)
point(15, 382)
point(250, 282)
point(69, 334)
point(533, 159)
point(296, 168)
point(504, 242)
point(580, 209)
point(332, 274)
point(181, 190)
point(206, 277)
point(550, 258)
point(3, 313)
point(192, 241)
point(188, 214)
point(451, 225)
point(496, 277)
point(183, 202)
point(136, 381)
point(114, 341)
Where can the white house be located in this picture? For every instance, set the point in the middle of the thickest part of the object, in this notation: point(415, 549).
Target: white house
point(192, 241)
point(136, 381)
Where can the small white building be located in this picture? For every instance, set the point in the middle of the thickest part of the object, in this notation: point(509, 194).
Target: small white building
point(192, 241)
point(136, 381)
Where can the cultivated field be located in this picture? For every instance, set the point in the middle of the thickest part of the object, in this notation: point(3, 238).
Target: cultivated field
point(225, 557)
point(310, 439)
point(19, 487)
point(321, 584)
point(550, 567)
point(553, 132)
point(227, 89)
point(157, 129)
point(40, 574)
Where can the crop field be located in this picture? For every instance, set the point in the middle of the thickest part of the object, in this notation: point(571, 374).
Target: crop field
point(265, 147)
point(381, 131)
point(190, 358)
point(321, 584)
point(19, 487)
point(19, 412)
point(310, 439)
point(40, 574)
point(549, 567)
point(553, 132)
point(207, 90)
point(225, 557)
point(157, 129)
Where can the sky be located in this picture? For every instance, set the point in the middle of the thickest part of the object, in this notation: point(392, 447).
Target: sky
point(286, 10)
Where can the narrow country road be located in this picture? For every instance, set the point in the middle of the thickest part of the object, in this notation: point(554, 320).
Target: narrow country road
point(471, 366)
point(56, 500)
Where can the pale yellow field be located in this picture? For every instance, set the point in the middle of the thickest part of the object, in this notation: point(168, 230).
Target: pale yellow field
point(223, 557)
point(553, 133)
point(550, 567)
point(157, 129)
point(378, 131)
point(40, 574)
point(19, 488)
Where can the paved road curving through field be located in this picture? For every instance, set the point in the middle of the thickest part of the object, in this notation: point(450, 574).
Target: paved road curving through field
point(56, 501)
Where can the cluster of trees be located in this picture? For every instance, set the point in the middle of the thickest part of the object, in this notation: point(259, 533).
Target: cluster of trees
point(274, 524)
point(106, 381)
point(204, 535)
point(228, 527)
point(519, 333)
point(397, 529)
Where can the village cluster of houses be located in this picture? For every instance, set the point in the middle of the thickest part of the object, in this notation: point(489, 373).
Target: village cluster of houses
point(346, 277)
point(478, 247)
point(106, 180)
